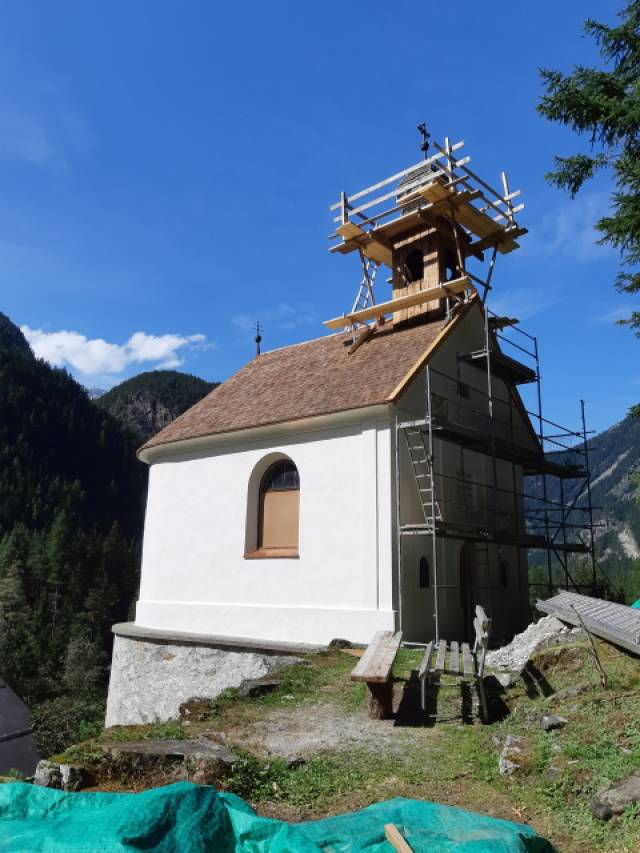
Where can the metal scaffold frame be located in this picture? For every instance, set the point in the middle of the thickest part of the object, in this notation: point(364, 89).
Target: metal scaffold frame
point(537, 521)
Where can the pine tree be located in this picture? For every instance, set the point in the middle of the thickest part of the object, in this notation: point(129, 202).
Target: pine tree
point(603, 104)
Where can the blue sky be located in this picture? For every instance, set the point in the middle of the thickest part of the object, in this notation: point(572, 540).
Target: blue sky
point(166, 171)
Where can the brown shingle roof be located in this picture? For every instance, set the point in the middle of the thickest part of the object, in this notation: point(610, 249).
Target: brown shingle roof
point(314, 378)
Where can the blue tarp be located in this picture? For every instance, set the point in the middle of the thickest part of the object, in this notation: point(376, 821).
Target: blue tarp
point(196, 818)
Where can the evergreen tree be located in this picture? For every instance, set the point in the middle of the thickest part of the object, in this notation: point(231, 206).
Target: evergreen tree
point(603, 104)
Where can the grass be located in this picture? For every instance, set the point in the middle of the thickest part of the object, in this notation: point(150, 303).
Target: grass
point(450, 762)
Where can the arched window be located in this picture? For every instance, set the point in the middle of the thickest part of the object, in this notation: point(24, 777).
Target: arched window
point(414, 266)
point(278, 510)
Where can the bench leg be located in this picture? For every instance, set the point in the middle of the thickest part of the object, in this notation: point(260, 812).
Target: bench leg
point(380, 700)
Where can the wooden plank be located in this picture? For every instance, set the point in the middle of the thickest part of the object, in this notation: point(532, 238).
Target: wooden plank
point(469, 216)
point(425, 664)
point(482, 617)
point(369, 655)
point(376, 663)
point(454, 658)
point(442, 651)
point(467, 661)
point(395, 839)
point(362, 337)
point(458, 285)
point(507, 239)
point(360, 238)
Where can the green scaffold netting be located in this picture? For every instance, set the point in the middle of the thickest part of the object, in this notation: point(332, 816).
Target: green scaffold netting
point(189, 818)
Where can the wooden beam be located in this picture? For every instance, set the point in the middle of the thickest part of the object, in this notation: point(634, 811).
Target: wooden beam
point(507, 238)
point(356, 237)
point(459, 285)
point(468, 215)
point(395, 839)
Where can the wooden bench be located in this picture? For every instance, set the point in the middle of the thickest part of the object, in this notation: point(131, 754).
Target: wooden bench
point(374, 668)
point(443, 658)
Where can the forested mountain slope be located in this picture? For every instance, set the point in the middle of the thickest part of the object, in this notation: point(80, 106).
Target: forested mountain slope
point(71, 509)
point(148, 402)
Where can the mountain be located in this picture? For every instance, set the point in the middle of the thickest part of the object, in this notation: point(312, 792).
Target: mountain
point(71, 511)
point(148, 402)
point(94, 393)
point(11, 338)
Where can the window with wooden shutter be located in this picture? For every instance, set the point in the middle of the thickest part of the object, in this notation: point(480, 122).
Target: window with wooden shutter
point(279, 511)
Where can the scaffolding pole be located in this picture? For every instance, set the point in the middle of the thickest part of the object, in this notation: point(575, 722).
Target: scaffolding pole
point(555, 540)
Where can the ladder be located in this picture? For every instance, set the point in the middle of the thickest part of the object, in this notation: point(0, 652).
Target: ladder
point(365, 296)
point(422, 465)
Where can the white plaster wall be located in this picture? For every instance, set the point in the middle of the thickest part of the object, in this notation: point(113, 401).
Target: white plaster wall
point(194, 574)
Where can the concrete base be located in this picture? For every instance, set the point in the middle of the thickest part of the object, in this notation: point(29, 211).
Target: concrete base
point(152, 676)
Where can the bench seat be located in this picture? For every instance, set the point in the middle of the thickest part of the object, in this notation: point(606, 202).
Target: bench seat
point(375, 668)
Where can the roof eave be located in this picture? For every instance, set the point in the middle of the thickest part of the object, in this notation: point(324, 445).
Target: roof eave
point(197, 444)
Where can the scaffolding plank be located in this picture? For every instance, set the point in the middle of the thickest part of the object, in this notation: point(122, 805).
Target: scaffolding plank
point(469, 216)
point(458, 285)
point(356, 237)
point(613, 622)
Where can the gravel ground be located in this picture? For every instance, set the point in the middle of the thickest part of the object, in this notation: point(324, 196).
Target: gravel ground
point(306, 730)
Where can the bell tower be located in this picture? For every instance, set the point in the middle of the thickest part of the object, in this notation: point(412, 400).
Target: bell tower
point(425, 224)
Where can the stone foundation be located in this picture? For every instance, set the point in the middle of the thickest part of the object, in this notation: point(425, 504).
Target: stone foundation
point(152, 676)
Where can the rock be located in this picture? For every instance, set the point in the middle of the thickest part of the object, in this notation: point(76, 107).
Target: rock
point(614, 800)
point(553, 772)
point(510, 760)
point(568, 693)
point(201, 761)
point(254, 687)
point(151, 680)
point(549, 722)
point(48, 774)
point(338, 643)
point(516, 655)
point(74, 778)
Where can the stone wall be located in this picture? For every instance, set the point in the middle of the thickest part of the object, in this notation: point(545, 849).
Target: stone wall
point(150, 679)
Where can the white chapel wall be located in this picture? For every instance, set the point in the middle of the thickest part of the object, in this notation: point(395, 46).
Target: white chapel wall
point(194, 573)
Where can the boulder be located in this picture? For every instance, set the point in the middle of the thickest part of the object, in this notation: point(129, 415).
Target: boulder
point(549, 722)
point(510, 760)
point(254, 687)
point(614, 800)
point(201, 761)
point(74, 778)
point(515, 656)
point(48, 774)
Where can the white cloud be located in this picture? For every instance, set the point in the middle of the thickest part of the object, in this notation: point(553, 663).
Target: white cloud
point(284, 317)
point(569, 229)
point(97, 357)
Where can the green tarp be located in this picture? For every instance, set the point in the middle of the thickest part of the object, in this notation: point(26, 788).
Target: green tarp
point(189, 818)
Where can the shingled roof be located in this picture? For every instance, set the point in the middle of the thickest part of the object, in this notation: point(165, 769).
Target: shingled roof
point(318, 377)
